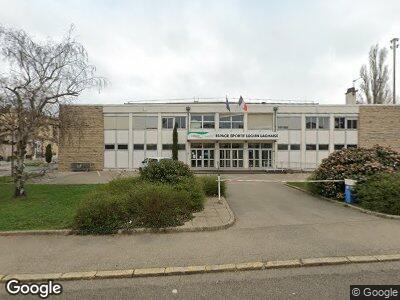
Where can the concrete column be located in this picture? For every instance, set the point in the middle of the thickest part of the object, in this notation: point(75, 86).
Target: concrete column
point(159, 135)
point(303, 141)
point(246, 155)
point(331, 133)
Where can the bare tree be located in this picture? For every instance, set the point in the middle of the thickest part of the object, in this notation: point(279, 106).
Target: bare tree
point(38, 77)
point(374, 86)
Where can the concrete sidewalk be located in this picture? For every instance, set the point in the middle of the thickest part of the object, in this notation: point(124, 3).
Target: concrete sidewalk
point(274, 222)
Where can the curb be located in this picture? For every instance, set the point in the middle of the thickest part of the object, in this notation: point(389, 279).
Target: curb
point(231, 221)
point(188, 270)
point(363, 210)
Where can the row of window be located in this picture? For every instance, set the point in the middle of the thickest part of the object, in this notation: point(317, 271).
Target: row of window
point(313, 147)
point(207, 121)
point(142, 147)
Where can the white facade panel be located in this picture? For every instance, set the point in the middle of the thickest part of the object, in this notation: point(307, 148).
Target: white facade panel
point(339, 137)
point(109, 159)
point(109, 137)
point(294, 136)
point(138, 136)
point(311, 160)
point(323, 136)
point(122, 136)
point(282, 159)
point(166, 153)
point(352, 137)
point(295, 159)
point(138, 157)
point(151, 137)
point(283, 137)
point(122, 159)
point(311, 137)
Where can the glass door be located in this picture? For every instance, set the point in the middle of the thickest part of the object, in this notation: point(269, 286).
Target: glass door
point(231, 155)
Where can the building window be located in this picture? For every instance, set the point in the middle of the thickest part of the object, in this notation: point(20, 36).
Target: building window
point(289, 123)
point(283, 147)
point(340, 123)
point(145, 122)
point(311, 122)
point(181, 147)
point(202, 121)
point(351, 123)
point(109, 147)
point(231, 122)
point(311, 147)
point(351, 146)
point(138, 147)
point(323, 123)
point(324, 147)
point(151, 147)
point(122, 146)
point(169, 122)
point(202, 155)
point(295, 147)
point(338, 146)
point(167, 146)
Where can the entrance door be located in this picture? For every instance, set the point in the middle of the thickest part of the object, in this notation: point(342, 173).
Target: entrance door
point(260, 155)
point(231, 155)
point(202, 155)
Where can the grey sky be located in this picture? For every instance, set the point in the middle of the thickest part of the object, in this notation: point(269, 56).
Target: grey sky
point(306, 50)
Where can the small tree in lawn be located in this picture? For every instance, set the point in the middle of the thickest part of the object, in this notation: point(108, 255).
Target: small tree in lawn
point(36, 78)
point(49, 153)
point(175, 142)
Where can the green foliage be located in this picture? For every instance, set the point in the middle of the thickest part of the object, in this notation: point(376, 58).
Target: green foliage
point(166, 171)
point(175, 142)
point(195, 190)
point(210, 185)
point(48, 154)
point(358, 164)
point(380, 192)
point(133, 202)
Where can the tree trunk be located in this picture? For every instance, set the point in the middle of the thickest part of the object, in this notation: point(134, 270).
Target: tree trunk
point(19, 175)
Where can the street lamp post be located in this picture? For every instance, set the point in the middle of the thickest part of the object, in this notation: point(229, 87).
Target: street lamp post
point(394, 46)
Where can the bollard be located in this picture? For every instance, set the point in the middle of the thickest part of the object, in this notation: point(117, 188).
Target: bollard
point(348, 190)
point(219, 187)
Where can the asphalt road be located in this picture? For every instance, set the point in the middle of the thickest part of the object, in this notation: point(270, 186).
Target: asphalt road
point(273, 222)
point(299, 283)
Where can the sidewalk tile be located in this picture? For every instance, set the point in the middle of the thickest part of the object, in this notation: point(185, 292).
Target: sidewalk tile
point(220, 268)
point(114, 274)
point(387, 257)
point(149, 272)
point(317, 261)
point(78, 275)
point(258, 265)
point(362, 258)
point(283, 264)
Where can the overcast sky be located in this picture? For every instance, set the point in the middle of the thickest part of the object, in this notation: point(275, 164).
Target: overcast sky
point(302, 50)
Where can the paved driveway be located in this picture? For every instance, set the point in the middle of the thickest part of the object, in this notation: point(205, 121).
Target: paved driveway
point(273, 222)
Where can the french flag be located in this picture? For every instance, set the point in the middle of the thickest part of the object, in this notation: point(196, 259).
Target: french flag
point(242, 104)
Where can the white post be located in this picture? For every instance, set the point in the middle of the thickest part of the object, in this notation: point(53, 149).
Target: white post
point(219, 187)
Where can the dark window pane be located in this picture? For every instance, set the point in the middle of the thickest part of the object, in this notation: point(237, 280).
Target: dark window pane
point(195, 117)
point(122, 146)
point(109, 147)
point(311, 147)
point(237, 118)
point(151, 146)
point(352, 146)
point(323, 147)
point(195, 145)
point(209, 145)
point(208, 125)
point(167, 146)
point(339, 123)
point(294, 147)
point(138, 147)
point(339, 146)
point(282, 147)
point(181, 146)
point(225, 125)
point(266, 145)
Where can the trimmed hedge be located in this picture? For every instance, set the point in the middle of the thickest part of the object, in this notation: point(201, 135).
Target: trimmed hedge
point(210, 185)
point(355, 163)
point(132, 202)
point(381, 193)
point(166, 171)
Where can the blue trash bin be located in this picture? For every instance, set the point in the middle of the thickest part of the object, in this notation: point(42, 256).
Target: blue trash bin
point(349, 190)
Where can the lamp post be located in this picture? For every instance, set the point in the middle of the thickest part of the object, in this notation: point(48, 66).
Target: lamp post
point(394, 46)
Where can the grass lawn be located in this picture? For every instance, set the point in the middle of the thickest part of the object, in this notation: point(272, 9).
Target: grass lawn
point(301, 185)
point(47, 206)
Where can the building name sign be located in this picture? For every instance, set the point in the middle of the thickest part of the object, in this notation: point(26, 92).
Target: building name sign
point(233, 135)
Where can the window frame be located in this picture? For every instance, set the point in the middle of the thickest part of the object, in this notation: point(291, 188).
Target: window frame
point(202, 121)
point(233, 124)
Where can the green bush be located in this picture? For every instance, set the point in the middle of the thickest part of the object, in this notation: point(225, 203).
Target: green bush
point(381, 193)
point(358, 164)
point(100, 213)
point(195, 191)
point(210, 185)
point(48, 154)
point(133, 202)
point(166, 171)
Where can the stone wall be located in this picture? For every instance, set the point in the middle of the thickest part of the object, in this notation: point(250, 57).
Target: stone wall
point(81, 136)
point(379, 124)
